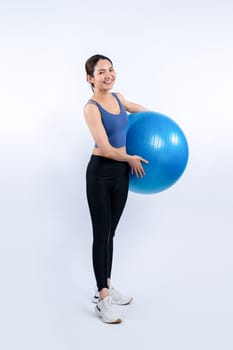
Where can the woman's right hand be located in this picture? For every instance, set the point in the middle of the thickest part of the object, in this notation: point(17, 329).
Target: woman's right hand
point(135, 163)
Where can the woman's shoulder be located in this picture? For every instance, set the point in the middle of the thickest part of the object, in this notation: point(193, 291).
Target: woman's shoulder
point(120, 96)
point(90, 107)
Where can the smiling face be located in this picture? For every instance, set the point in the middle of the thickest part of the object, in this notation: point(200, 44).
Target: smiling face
point(104, 75)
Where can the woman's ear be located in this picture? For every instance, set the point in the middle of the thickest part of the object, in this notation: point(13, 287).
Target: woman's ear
point(89, 79)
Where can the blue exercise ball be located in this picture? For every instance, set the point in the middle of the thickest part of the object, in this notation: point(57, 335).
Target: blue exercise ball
point(158, 139)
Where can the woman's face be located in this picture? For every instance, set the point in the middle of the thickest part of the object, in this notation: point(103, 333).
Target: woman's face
point(104, 75)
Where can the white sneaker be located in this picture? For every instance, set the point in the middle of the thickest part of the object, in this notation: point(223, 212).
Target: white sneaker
point(106, 311)
point(117, 297)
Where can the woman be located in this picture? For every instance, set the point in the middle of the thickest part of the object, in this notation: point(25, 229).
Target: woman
point(107, 176)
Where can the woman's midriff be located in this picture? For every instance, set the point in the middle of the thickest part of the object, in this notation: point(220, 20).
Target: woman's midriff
point(97, 152)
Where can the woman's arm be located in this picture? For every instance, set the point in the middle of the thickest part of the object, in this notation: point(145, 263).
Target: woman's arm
point(95, 125)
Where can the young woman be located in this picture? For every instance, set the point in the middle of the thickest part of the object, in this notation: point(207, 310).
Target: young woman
point(107, 176)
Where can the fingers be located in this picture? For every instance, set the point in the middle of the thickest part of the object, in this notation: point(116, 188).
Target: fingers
point(144, 160)
point(139, 171)
point(136, 166)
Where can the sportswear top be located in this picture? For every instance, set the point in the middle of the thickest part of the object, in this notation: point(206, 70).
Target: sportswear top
point(114, 124)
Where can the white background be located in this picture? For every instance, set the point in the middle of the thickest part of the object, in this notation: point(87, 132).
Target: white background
point(173, 251)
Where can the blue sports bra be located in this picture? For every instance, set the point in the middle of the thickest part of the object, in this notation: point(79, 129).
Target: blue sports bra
point(114, 124)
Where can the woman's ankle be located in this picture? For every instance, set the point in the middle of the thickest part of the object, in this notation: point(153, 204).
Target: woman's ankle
point(103, 293)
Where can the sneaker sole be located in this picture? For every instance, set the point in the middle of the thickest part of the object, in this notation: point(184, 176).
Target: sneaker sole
point(126, 303)
point(117, 321)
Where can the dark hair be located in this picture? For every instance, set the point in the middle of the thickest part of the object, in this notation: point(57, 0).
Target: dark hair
point(91, 63)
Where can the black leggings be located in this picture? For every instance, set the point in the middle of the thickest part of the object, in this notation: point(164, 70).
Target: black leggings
point(107, 183)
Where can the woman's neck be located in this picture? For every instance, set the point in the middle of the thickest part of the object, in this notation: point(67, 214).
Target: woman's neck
point(101, 95)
